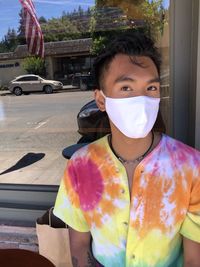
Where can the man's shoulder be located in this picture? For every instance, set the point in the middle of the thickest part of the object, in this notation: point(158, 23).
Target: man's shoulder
point(91, 148)
point(88, 159)
point(176, 146)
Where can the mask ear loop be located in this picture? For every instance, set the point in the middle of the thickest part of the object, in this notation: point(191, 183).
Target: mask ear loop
point(102, 94)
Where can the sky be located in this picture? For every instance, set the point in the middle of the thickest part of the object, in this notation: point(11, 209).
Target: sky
point(10, 9)
point(9, 16)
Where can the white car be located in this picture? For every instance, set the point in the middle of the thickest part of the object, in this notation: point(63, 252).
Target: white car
point(33, 83)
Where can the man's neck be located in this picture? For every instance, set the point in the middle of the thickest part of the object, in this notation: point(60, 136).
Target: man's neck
point(129, 148)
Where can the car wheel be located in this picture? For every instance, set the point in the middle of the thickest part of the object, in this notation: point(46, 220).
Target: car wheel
point(83, 86)
point(17, 91)
point(48, 89)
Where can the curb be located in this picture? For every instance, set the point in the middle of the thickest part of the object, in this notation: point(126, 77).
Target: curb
point(5, 92)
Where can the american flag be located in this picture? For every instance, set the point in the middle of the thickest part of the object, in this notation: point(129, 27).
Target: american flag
point(33, 32)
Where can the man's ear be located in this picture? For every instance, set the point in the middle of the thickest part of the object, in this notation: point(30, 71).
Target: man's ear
point(100, 100)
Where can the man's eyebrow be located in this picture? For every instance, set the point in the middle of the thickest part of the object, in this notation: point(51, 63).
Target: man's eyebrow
point(154, 80)
point(124, 78)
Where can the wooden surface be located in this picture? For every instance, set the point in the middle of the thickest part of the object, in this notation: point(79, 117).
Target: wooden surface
point(22, 258)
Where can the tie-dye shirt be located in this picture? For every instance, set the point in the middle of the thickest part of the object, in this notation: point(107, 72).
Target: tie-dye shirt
point(141, 228)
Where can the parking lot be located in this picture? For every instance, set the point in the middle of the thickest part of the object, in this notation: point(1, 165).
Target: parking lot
point(34, 129)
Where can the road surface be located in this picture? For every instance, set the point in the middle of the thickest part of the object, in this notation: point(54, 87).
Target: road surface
point(34, 129)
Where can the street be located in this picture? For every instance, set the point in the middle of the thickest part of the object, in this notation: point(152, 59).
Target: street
point(37, 126)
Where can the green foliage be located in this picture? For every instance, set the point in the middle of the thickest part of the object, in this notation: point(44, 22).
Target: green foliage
point(149, 12)
point(21, 29)
point(71, 25)
point(42, 20)
point(3, 88)
point(153, 16)
point(98, 44)
point(97, 22)
point(102, 39)
point(34, 65)
point(105, 23)
point(9, 42)
point(59, 30)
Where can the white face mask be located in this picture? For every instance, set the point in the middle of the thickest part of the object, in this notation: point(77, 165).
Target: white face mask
point(133, 116)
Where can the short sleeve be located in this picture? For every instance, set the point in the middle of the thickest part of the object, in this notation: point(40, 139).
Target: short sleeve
point(67, 205)
point(191, 225)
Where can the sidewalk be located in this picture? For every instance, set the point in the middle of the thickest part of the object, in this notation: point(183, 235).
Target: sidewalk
point(4, 92)
point(25, 237)
point(18, 237)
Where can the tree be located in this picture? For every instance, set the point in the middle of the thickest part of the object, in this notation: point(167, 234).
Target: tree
point(21, 29)
point(148, 11)
point(105, 23)
point(80, 11)
point(98, 44)
point(42, 20)
point(59, 30)
point(34, 65)
point(153, 16)
point(2, 47)
point(70, 25)
point(109, 17)
point(89, 11)
point(9, 42)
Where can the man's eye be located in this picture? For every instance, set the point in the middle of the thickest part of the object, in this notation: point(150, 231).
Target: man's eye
point(126, 88)
point(152, 88)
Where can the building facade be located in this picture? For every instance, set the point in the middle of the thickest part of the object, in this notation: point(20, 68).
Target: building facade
point(62, 59)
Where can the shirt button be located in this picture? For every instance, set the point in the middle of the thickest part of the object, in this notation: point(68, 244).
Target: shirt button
point(122, 191)
point(125, 223)
point(133, 257)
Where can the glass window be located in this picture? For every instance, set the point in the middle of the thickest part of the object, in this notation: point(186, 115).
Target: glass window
point(32, 78)
point(22, 79)
point(36, 127)
point(28, 78)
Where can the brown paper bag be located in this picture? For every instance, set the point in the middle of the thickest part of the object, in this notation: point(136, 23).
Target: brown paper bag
point(53, 242)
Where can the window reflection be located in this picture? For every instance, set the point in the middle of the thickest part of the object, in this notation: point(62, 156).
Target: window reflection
point(44, 124)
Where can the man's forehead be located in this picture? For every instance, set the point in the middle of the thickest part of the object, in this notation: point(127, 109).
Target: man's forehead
point(126, 66)
point(123, 65)
point(127, 78)
point(131, 59)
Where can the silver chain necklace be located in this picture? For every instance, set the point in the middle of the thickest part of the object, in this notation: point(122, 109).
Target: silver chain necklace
point(124, 161)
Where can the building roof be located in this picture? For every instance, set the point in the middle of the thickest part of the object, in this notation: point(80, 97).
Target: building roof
point(70, 47)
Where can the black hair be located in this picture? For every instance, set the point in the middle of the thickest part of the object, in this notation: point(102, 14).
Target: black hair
point(131, 44)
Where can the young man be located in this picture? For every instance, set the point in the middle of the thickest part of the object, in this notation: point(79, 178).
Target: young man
point(134, 193)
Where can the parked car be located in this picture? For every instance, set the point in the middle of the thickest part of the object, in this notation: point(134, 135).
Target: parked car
point(83, 81)
point(33, 83)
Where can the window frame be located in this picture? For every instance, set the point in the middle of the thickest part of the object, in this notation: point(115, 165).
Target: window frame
point(196, 72)
point(17, 209)
point(183, 66)
point(20, 206)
